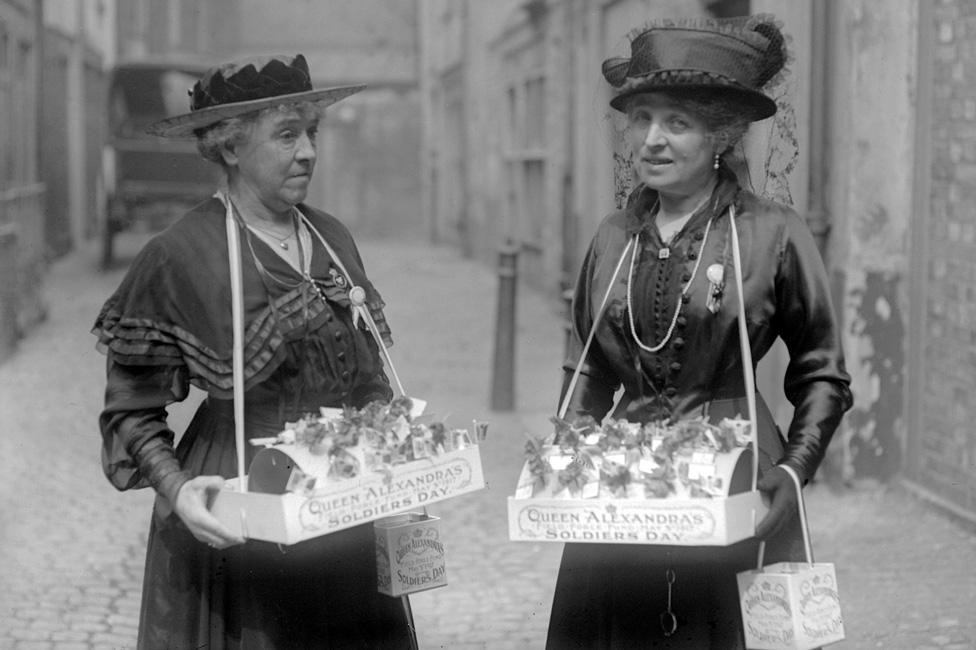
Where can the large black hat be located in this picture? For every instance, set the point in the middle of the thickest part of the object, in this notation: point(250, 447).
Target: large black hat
point(734, 57)
point(246, 85)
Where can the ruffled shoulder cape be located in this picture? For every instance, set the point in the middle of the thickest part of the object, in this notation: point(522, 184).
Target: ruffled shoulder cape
point(173, 308)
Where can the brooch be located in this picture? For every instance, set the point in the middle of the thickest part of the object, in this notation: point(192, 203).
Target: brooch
point(337, 277)
point(716, 285)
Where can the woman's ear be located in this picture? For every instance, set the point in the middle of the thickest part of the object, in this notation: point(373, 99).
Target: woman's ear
point(229, 153)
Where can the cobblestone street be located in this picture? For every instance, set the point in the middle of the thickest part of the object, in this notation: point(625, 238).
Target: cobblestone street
point(72, 547)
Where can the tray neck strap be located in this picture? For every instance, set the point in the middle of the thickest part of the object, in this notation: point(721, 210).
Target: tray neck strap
point(237, 328)
point(589, 339)
point(357, 300)
point(748, 371)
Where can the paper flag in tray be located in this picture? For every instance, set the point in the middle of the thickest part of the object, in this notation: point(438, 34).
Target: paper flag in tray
point(417, 408)
point(480, 430)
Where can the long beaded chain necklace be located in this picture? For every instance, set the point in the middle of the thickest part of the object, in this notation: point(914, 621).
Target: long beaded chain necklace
point(681, 296)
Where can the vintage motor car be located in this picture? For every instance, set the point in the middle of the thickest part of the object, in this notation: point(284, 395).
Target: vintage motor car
point(148, 181)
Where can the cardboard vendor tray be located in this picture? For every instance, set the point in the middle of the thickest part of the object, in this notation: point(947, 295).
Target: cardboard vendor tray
point(297, 516)
point(680, 521)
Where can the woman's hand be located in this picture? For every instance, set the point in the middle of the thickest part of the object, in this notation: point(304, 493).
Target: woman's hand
point(778, 486)
point(191, 508)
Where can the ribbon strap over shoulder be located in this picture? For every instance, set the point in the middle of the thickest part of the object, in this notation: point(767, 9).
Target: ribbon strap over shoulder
point(748, 372)
point(357, 300)
point(237, 327)
point(589, 339)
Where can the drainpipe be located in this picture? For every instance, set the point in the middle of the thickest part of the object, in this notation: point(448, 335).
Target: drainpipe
point(77, 194)
point(425, 83)
point(38, 103)
point(465, 233)
point(818, 217)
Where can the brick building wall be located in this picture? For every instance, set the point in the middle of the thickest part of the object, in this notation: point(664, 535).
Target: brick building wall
point(942, 451)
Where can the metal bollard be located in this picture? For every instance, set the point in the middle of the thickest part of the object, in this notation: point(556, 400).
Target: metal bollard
point(9, 330)
point(503, 374)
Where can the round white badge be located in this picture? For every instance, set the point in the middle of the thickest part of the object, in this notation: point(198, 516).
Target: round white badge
point(715, 273)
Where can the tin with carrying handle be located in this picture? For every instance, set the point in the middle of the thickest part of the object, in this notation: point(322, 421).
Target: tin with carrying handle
point(791, 605)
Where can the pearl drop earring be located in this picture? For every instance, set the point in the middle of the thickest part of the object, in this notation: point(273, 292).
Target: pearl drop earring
point(715, 165)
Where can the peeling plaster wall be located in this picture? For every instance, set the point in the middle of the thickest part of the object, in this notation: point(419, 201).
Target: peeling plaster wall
point(870, 198)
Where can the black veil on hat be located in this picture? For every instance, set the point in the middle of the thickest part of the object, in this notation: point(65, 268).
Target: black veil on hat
point(734, 57)
point(251, 84)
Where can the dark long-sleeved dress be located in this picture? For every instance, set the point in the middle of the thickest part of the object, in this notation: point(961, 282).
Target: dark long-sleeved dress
point(167, 326)
point(612, 596)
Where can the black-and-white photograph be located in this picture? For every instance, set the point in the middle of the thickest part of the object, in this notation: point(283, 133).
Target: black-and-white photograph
point(488, 325)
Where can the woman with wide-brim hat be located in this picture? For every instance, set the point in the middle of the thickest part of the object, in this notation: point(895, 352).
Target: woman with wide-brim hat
point(168, 326)
point(669, 334)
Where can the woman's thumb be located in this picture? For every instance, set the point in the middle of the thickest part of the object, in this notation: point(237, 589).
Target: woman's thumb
point(212, 483)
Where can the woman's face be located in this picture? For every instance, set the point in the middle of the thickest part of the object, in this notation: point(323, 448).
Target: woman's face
point(674, 152)
point(276, 161)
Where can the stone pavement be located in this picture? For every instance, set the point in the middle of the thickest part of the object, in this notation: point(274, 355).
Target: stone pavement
point(71, 547)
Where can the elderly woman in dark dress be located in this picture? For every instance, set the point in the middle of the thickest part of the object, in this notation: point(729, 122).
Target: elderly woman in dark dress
point(168, 325)
point(669, 335)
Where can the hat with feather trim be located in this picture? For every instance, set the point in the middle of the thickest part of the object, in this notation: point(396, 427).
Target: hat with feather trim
point(736, 58)
point(252, 84)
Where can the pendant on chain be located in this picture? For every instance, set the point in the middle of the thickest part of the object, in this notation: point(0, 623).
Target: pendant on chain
point(663, 253)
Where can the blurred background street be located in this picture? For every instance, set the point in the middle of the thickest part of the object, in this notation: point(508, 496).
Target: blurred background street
point(484, 135)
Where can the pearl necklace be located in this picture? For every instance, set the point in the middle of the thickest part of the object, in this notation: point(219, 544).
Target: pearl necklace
point(681, 297)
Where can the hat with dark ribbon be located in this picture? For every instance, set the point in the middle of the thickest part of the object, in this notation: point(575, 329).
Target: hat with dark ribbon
point(735, 58)
point(247, 85)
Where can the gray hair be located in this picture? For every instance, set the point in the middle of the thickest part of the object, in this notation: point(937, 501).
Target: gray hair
point(234, 131)
point(725, 120)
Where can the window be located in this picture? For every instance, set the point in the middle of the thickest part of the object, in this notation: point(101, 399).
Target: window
point(526, 156)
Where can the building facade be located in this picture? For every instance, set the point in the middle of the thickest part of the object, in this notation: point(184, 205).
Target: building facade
point(78, 47)
point(368, 169)
point(22, 249)
point(52, 71)
point(873, 145)
point(23, 255)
